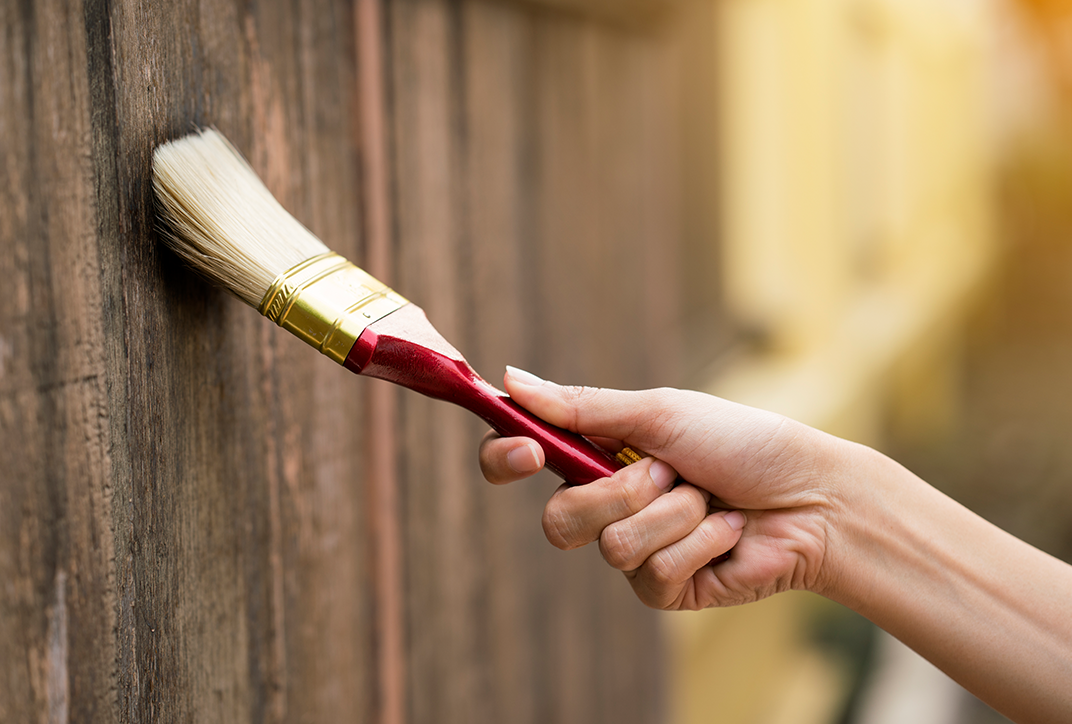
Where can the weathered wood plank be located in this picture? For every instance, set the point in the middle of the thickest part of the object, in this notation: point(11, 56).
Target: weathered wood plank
point(184, 498)
point(216, 498)
point(447, 677)
point(55, 536)
point(496, 65)
point(563, 260)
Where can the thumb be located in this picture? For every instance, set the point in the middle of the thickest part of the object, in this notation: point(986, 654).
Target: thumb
point(591, 411)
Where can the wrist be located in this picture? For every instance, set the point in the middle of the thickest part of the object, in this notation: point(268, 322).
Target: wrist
point(826, 502)
point(867, 496)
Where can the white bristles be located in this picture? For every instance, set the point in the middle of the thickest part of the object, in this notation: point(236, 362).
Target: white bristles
point(222, 219)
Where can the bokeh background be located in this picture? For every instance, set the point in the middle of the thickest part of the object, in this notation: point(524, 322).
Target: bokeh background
point(895, 186)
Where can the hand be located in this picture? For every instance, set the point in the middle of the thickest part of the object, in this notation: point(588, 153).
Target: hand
point(744, 467)
point(820, 514)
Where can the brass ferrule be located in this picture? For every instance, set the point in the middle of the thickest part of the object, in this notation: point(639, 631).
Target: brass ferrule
point(628, 456)
point(328, 302)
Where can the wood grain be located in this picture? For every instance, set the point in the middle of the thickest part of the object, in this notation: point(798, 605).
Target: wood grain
point(193, 526)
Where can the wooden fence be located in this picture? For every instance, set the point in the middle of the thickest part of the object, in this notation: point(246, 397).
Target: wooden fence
point(201, 519)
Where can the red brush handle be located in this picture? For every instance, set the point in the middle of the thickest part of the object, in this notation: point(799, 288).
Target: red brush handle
point(401, 348)
point(405, 348)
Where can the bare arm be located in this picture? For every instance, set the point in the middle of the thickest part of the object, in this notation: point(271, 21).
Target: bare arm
point(818, 514)
point(988, 609)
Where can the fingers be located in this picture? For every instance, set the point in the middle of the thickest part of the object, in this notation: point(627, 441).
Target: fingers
point(506, 459)
point(577, 515)
point(615, 414)
point(627, 543)
point(663, 580)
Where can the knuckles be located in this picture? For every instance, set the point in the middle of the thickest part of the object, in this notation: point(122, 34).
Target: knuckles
point(635, 492)
point(625, 546)
point(618, 545)
point(559, 528)
point(662, 570)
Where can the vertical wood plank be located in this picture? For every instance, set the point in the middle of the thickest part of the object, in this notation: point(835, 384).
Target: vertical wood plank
point(56, 549)
point(496, 59)
point(566, 260)
point(192, 576)
point(260, 608)
point(383, 515)
point(446, 674)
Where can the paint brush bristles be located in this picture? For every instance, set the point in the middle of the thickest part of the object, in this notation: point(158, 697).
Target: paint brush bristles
point(222, 219)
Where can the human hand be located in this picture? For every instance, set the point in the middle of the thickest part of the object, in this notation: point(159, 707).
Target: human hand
point(820, 514)
point(744, 467)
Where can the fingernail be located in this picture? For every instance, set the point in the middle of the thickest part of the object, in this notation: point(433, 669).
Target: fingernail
point(662, 474)
point(736, 519)
point(525, 378)
point(523, 459)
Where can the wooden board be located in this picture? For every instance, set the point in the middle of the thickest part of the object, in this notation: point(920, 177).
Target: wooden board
point(188, 529)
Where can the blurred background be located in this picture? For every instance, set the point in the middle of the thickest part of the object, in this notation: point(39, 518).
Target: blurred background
point(894, 265)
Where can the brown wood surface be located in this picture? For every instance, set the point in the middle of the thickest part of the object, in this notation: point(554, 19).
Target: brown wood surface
point(193, 505)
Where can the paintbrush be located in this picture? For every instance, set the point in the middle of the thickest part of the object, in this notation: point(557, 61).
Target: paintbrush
point(220, 218)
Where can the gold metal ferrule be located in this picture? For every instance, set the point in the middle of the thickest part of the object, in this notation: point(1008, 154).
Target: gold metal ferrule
point(328, 302)
point(628, 456)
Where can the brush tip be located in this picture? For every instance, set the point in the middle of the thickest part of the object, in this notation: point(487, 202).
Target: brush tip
point(220, 217)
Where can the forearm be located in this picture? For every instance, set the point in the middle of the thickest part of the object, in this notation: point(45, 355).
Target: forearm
point(985, 607)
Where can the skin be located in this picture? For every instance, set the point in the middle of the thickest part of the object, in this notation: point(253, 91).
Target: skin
point(803, 510)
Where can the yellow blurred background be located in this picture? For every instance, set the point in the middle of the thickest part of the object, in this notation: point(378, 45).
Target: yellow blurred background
point(894, 212)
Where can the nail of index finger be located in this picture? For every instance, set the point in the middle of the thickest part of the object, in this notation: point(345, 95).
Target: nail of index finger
point(506, 459)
